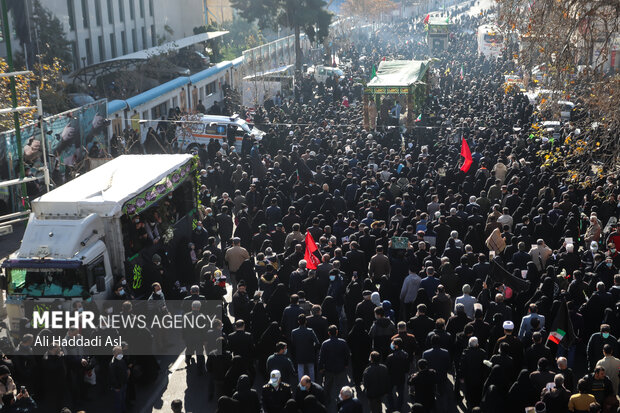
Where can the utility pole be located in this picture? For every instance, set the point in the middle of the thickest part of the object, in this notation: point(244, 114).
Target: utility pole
point(18, 139)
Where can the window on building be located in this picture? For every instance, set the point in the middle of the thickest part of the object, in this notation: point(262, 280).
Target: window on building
point(85, 13)
point(210, 88)
point(143, 30)
point(98, 12)
point(101, 48)
point(71, 11)
point(151, 8)
point(160, 110)
point(113, 44)
point(124, 41)
point(134, 40)
point(89, 51)
point(121, 10)
point(75, 54)
point(153, 36)
point(110, 12)
point(141, 8)
point(132, 13)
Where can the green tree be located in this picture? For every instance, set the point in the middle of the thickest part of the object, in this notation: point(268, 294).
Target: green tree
point(311, 16)
point(214, 44)
point(52, 45)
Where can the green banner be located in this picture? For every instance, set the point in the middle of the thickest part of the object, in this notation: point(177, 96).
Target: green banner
point(159, 190)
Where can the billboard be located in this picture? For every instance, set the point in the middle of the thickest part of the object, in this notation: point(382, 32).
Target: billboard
point(69, 137)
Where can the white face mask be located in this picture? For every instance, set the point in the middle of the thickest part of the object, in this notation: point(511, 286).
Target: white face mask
point(119, 357)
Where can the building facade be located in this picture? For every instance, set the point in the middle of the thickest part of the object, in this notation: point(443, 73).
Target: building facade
point(104, 29)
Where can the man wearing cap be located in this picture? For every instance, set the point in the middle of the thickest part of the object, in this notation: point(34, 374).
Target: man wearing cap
point(275, 393)
point(515, 345)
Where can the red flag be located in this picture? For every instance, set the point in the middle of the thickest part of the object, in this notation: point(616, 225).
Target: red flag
point(428, 16)
point(466, 153)
point(312, 261)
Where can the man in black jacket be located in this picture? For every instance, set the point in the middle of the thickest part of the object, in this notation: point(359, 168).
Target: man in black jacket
point(318, 323)
point(241, 343)
point(119, 376)
point(599, 385)
point(308, 387)
point(348, 403)
point(398, 366)
point(420, 326)
point(471, 372)
point(424, 385)
point(376, 382)
point(366, 309)
point(333, 360)
point(290, 314)
point(304, 344)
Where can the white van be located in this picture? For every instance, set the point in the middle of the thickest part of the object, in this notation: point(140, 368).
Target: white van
point(322, 73)
point(195, 130)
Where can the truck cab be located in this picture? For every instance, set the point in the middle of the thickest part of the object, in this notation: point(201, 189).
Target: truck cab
point(79, 241)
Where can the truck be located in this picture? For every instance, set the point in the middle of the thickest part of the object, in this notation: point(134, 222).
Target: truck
point(82, 238)
point(437, 34)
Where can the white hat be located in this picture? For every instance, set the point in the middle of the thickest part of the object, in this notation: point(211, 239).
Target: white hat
point(275, 376)
point(508, 325)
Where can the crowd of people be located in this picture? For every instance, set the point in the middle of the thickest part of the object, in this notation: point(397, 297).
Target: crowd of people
point(368, 271)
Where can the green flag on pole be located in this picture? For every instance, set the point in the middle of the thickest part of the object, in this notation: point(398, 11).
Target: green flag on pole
point(374, 72)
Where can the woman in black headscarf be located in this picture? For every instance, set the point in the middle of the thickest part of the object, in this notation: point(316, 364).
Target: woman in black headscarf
point(244, 233)
point(259, 321)
point(246, 273)
point(246, 396)
point(521, 393)
point(495, 391)
point(330, 311)
point(257, 220)
point(291, 407)
point(238, 367)
point(360, 345)
point(352, 297)
point(266, 345)
point(227, 404)
point(422, 298)
point(277, 302)
point(310, 404)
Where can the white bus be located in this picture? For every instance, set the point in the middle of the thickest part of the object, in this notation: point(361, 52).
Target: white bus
point(490, 41)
